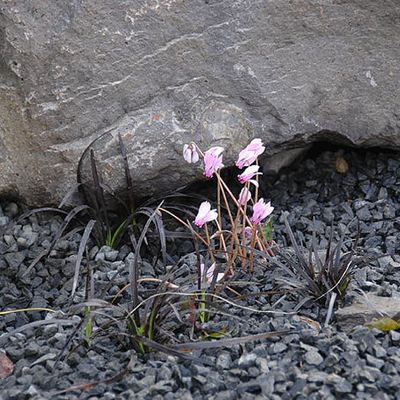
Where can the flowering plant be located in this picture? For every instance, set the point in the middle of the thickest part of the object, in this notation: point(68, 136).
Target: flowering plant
point(242, 232)
point(234, 236)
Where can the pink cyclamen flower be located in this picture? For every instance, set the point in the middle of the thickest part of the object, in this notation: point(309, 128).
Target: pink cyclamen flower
point(261, 211)
point(250, 154)
point(205, 214)
point(244, 196)
point(190, 153)
point(213, 161)
point(249, 173)
point(209, 275)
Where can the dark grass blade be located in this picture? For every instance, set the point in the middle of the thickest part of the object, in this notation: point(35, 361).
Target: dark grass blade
point(105, 315)
point(99, 303)
point(68, 341)
point(82, 246)
point(159, 225)
point(38, 210)
point(171, 350)
point(314, 248)
point(107, 190)
point(133, 277)
point(329, 249)
point(299, 253)
point(196, 247)
point(296, 267)
point(128, 176)
point(69, 194)
point(99, 193)
point(303, 302)
point(72, 232)
point(215, 344)
point(71, 215)
point(90, 282)
point(35, 324)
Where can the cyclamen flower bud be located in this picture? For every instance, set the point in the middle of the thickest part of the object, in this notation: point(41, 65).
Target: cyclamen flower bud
point(244, 196)
point(190, 153)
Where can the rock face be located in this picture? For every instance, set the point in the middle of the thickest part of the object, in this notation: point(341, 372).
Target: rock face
point(165, 72)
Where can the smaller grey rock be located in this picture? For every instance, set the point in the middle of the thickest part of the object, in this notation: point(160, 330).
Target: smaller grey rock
point(14, 260)
point(383, 193)
point(267, 384)
point(317, 376)
point(278, 347)
point(340, 385)
point(31, 391)
point(111, 255)
point(226, 395)
point(389, 212)
point(392, 243)
point(374, 362)
point(364, 214)
point(9, 240)
point(384, 262)
point(313, 358)
point(263, 365)
point(395, 337)
point(164, 373)
point(247, 360)
point(224, 361)
point(4, 220)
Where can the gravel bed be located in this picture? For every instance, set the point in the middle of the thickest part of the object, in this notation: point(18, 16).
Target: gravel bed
point(311, 362)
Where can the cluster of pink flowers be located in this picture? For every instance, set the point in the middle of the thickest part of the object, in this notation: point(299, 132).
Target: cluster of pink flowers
point(247, 157)
point(213, 163)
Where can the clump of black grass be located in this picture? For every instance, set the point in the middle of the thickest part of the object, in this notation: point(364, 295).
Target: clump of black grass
point(321, 279)
point(97, 219)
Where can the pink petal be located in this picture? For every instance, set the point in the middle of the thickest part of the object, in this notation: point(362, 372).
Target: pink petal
point(244, 196)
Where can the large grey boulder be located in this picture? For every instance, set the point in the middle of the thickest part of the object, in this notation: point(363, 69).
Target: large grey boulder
point(165, 72)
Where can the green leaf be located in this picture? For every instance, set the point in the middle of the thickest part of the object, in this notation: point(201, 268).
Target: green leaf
point(384, 324)
point(215, 335)
point(88, 326)
point(268, 230)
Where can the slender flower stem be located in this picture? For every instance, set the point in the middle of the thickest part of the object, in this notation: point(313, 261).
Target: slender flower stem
point(219, 206)
point(253, 242)
point(244, 226)
point(256, 193)
point(222, 240)
point(225, 199)
point(184, 224)
point(209, 242)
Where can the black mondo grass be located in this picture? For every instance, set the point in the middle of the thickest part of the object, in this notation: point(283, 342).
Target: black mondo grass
point(322, 278)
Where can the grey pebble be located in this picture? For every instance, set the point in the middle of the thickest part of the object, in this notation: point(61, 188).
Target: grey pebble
point(313, 358)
